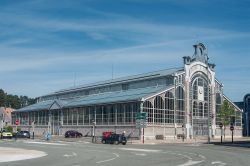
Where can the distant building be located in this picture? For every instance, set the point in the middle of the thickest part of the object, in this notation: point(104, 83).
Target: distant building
point(183, 100)
point(5, 113)
point(245, 106)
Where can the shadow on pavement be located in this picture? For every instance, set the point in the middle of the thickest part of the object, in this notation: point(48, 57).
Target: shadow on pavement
point(241, 143)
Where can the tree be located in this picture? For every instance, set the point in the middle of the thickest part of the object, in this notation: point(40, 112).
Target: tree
point(226, 114)
point(14, 101)
point(2, 98)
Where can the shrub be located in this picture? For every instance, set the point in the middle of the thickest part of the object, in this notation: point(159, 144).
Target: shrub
point(8, 129)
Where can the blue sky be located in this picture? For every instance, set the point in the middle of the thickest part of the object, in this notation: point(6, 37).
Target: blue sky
point(50, 45)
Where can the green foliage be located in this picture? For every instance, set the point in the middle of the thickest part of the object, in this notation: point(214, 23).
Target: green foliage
point(8, 129)
point(227, 113)
point(14, 101)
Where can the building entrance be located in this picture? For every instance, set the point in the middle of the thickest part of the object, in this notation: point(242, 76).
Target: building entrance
point(200, 127)
point(55, 123)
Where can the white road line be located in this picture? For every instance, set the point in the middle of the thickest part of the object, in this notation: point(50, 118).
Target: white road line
point(218, 163)
point(191, 162)
point(140, 150)
point(70, 155)
point(201, 156)
point(45, 143)
point(139, 154)
point(103, 161)
point(186, 156)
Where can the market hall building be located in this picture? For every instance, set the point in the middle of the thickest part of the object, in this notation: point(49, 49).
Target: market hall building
point(183, 100)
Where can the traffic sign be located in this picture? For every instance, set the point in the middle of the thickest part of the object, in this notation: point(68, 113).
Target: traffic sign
point(221, 125)
point(141, 115)
point(231, 128)
point(17, 122)
point(141, 123)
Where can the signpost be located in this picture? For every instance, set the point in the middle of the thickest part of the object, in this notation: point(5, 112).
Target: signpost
point(33, 129)
point(1, 121)
point(141, 122)
point(93, 131)
point(17, 123)
point(221, 125)
point(232, 130)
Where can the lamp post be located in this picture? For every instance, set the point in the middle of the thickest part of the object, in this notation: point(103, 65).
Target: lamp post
point(93, 131)
point(175, 79)
point(1, 120)
point(33, 129)
point(208, 115)
point(221, 125)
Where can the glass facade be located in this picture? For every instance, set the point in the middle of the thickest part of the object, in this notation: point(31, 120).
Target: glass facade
point(166, 108)
point(113, 114)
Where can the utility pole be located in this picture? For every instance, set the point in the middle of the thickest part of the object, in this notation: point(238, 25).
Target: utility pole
point(208, 116)
point(1, 120)
point(175, 79)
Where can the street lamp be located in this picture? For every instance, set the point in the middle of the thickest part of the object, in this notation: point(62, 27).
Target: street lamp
point(175, 79)
point(208, 115)
point(93, 131)
point(1, 120)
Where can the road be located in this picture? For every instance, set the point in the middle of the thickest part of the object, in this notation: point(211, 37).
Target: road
point(88, 154)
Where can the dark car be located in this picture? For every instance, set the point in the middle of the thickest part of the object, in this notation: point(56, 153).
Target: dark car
point(115, 139)
point(72, 134)
point(22, 134)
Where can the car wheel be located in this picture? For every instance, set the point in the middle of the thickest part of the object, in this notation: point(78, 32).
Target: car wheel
point(124, 143)
point(104, 141)
point(116, 142)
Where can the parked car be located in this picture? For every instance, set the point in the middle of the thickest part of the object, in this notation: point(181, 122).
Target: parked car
point(6, 134)
point(114, 139)
point(22, 134)
point(72, 134)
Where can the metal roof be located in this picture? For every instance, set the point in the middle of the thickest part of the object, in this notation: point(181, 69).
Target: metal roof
point(44, 105)
point(150, 75)
point(98, 99)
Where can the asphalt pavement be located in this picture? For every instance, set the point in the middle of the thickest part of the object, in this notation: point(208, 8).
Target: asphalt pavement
point(85, 153)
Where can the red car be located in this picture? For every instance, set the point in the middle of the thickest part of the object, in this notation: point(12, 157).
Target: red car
point(72, 134)
point(106, 135)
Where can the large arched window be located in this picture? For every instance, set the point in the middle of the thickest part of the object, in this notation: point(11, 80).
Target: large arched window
point(169, 105)
point(169, 101)
point(205, 110)
point(158, 110)
point(195, 110)
point(148, 107)
point(200, 110)
point(200, 89)
point(200, 96)
point(218, 106)
point(180, 111)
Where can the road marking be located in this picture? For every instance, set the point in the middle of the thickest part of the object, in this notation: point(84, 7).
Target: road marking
point(103, 161)
point(201, 156)
point(68, 155)
point(140, 150)
point(218, 163)
point(186, 156)
point(139, 154)
point(191, 162)
point(45, 143)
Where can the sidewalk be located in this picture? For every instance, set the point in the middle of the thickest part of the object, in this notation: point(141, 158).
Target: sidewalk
point(15, 154)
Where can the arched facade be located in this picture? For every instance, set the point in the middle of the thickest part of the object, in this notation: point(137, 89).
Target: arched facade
point(179, 101)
